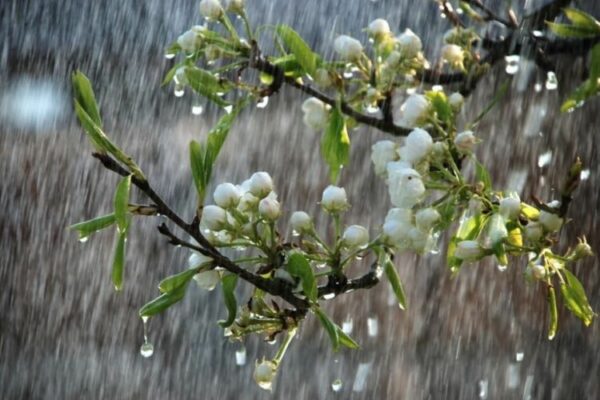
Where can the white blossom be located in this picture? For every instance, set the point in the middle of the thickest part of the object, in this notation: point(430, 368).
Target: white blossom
point(397, 227)
point(456, 101)
point(322, 78)
point(414, 109)
point(198, 259)
point(334, 199)
point(347, 47)
point(426, 218)
point(316, 113)
point(510, 208)
point(417, 146)
point(533, 231)
point(550, 221)
point(214, 217)
point(405, 186)
point(409, 43)
point(211, 9)
point(355, 236)
point(269, 209)
point(260, 184)
point(419, 241)
point(453, 54)
point(538, 271)
point(227, 195)
point(208, 280)
point(497, 231)
point(382, 153)
point(301, 222)
point(465, 141)
point(468, 250)
point(379, 28)
point(188, 41)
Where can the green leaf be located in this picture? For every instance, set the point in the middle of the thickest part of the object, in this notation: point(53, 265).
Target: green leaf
point(572, 31)
point(575, 298)
point(395, 282)
point(121, 202)
point(469, 229)
point(298, 266)
point(86, 228)
point(84, 96)
point(174, 282)
point(335, 144)
point(171, 72)
point(206, 84)
point(589, 87)
point(582, 19)
point(228, 284)
point(162, 302)
point(346, 340)
point(440, 105)
point(197, 152)
point(553, 327)
point(302, 52)
point(330, 328)
point(119, 261)
point(483, 175)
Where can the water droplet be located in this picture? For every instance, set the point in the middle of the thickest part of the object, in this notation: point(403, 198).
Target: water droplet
point(501, 268)
point(512, 376)
point(329, 296)
point(197, 110)
point(371, 109)
point(544, 159)
point(145, 319)
point(336, 385)
point(240, 356)
point(263, 102)
point(228, 109)
point(512, 64)
point(83, 239)
point(348, 74)
point(347, 326)
point(372, 326)
point(170, 56)
point(551, 81)
point(437, 88)
point(483, 388)
point(147, 349)
point(537, 87)
point(179, 91)
point(519, 356)
point(295, 233)
point(585, 175)
point(360, 380)
point(538, 33)
point(272, 342)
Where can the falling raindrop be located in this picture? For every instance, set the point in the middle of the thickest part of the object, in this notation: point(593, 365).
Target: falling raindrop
point(263, 102)
point(336, 385)
point(179, 91)
point(240, 356)
point(83, 239)
point(512, 64)
point(585, 174)
point(544, 159)
point(197, 110)
point(347, 326)
point(372, 326)
point(501, 268)
point(551, 81)
point(329, 296)
point(519, 356)
point(147, 349)
point(483, 388)
point(360, 380)
point(512, 376)
point(537, 87)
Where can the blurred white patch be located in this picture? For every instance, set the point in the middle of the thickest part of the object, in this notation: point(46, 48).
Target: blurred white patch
point(361, 377)
point(585, 174)
point(545, 159)
point(33, 103)
point(516, 180)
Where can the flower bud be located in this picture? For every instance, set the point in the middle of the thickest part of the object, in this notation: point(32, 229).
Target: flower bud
point(405, 187)
point(248, 202)
point(356, 236)
point(261, 184)
point(468, 250)
point(397, 227)
point(227, 195)
point(301, 222)
point(419, 240)
point(379, 29)
point(264, 374)
point(322, 78)
point(510, 208)
point(211, 9)
point(582, 250)
point(188, 41)
point(382, 153)
point(418, 145)
point(347, 47)
point(334, 199)
point(439, 150)
point(207, 280)
point(426, 218)
point(414, 109)
point(409, 43)
point(551, 222)
point(465, 141)
point(180, 76)
point(533, 231)
point(453, 54)
point(316, 113)
point(214, 217)
point(538, 271)
point(235, 6)
point(456, 101)
point(269, 209)
point(198, 259)
point(497, 231)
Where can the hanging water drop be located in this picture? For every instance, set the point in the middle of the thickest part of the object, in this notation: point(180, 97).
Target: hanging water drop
point(347, 326)
point(240, 356)
point(372, 326)
point(537, 87)
point(584, 175)
point(83, 239)
point(512, 64)
point(146, 350)
point(170, 56)
point(519, 356)
point(228, 109)
point(197, 110)
point(501, 267)
point(551, 81)
point(329, 296)
point(483, 388)
point(263, 102)
point(336, 385)
point(179, 91)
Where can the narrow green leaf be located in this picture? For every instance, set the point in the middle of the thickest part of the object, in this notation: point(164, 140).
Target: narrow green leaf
point(571, 31)
point(119, 261)
point(84, 95)
point(228, 284)
point(553, 327)
point(575, 298)
point(595, 63)
point(346, 340)
point(174, 282)
point(335, 144)
point(121, 201)
point(162, 302)
point(497, 97)
point(330, 327)
point(86, 228)
point(582, 19)
point(197, 165)
point(298, 266)
point(483, 175)
point(589, 87)
point(395, 282)
point(206, 84)
point(304, 55)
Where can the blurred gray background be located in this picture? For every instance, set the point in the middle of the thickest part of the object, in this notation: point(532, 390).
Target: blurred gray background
point(65, 334)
